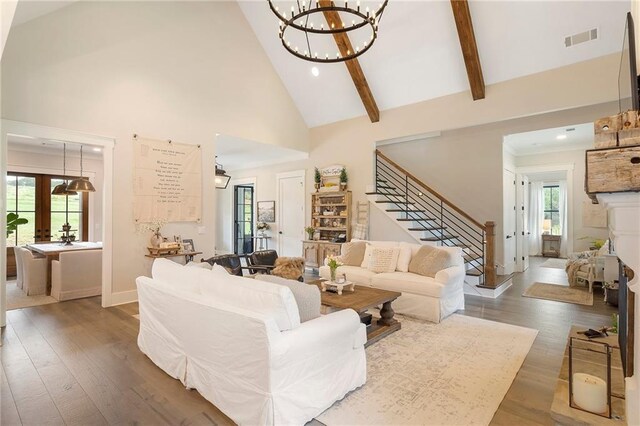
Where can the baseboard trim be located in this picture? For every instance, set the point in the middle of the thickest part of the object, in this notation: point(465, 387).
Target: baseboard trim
point(123, 297)
point(490, 293)
point(77, 294)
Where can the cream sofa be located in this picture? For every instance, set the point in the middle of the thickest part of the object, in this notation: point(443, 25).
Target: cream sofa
point(431, 299)
point(241, 344)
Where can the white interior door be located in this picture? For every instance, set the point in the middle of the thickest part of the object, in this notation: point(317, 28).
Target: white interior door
point(522, 223)
point(290, 212)
point(509, 228)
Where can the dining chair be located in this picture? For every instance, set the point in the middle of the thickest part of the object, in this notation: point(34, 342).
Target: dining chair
point(34, 273)
point(18, 257)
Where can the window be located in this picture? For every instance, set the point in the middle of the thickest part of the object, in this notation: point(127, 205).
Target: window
point(29, 195)
point(551, 224)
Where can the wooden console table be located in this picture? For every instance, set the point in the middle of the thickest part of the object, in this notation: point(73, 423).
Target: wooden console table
point(188, 255)
point(563, 414)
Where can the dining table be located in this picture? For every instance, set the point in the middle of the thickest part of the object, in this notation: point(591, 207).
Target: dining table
point(52, 250)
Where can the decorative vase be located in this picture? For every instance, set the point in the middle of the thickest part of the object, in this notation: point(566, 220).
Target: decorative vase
point(155, 240)
point(343, 186)
point(317, 185)
point(310, 235)
point(333, 274)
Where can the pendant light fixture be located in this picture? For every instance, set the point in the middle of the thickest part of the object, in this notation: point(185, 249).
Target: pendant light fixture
point(82, 183)
point(222, 178)
point(62, 189)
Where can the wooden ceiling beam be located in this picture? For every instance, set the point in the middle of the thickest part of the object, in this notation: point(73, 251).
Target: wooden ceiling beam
point(467, 38)
point(357, 75)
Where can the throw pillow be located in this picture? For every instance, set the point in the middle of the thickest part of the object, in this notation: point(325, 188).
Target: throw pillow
point(352, 254)
point(429, 260)
point(290, 268)
point(383, 259)
point(404, 258)
point(367, 254)
point(307, 296)
point(218, 269)
point(203, 265)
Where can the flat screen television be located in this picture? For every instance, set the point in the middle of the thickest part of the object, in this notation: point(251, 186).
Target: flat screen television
point(628, 97)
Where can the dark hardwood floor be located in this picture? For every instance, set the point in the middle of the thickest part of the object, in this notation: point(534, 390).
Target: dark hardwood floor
point(76, 363)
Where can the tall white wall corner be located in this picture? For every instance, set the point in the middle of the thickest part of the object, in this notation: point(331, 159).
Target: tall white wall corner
point(7, 11)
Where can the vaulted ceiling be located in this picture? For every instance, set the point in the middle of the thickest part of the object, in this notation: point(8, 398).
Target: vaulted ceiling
point(417, 56)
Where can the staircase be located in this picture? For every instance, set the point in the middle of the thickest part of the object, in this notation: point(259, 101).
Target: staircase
point(432, 219)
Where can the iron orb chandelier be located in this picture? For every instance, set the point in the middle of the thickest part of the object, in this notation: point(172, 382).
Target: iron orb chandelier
point(300, 19)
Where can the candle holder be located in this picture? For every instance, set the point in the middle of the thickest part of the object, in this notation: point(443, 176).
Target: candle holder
point(590, 376)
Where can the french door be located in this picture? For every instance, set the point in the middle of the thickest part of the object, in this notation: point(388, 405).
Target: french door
point(29, 195)
point(243, 219)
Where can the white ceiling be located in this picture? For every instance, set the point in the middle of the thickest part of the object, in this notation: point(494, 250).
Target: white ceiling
point(417, 55)
point(50, 147)
point(545, 141)
point(237, 154)
point(28, 10)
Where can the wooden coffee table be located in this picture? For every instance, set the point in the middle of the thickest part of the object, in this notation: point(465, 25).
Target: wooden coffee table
point(361, 300)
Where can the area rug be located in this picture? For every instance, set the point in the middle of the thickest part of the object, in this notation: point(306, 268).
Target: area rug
point(555, 263)
point(16, 298)
point(559, 293)
point(453, 373)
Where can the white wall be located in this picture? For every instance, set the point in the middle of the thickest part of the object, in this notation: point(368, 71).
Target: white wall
point(51, 163)
point(167, 70)
point(7, 11)
point(576, 158)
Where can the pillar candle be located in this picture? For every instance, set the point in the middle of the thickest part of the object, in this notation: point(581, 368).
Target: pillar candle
point(590, 393)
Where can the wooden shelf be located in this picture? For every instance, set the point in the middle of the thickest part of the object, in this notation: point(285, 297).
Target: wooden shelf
point(331, 228)
point(330, 194)
point(336, 216)
point(330, 205)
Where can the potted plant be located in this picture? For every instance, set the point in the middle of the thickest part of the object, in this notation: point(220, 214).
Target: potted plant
point(261, 227)
point(13, 221)
point(343, 179)
point(333, 262)
point(317, 177)
point(310, 230)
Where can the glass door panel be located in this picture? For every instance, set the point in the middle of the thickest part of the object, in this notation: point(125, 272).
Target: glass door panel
point(243, 219)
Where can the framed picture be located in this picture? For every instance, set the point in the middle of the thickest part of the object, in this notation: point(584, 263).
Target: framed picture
point(187, 245)
point(267, 211)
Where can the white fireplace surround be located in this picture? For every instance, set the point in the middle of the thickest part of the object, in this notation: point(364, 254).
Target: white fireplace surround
point(624, 229)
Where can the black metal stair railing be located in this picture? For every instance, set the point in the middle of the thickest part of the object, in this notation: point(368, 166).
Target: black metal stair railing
point(439, 220)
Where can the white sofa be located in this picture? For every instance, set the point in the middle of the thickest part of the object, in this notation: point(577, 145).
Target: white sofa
point(240, 343)
point(431, 299)
point(76, 274)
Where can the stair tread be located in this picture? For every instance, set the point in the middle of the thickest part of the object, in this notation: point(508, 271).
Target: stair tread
point(386, 194)
point(385, 187)
point(474, 273)
point(435, 228)
point(394, 202)
point(469, 257)
point(405, 211)
point(425, 219)
point(445, 237)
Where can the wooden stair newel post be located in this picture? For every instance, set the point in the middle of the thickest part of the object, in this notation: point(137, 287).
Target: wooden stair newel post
point(489, 256)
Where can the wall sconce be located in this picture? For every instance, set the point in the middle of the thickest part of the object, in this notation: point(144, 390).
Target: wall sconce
point(590, 376)
point(222, 178)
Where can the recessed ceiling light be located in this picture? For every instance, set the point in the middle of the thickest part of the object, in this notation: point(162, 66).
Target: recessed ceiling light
point(96, 149)
point(561, 137)
point(315, 71)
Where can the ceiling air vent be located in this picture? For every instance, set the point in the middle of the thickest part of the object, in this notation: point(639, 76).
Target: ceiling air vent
point(581, 37)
